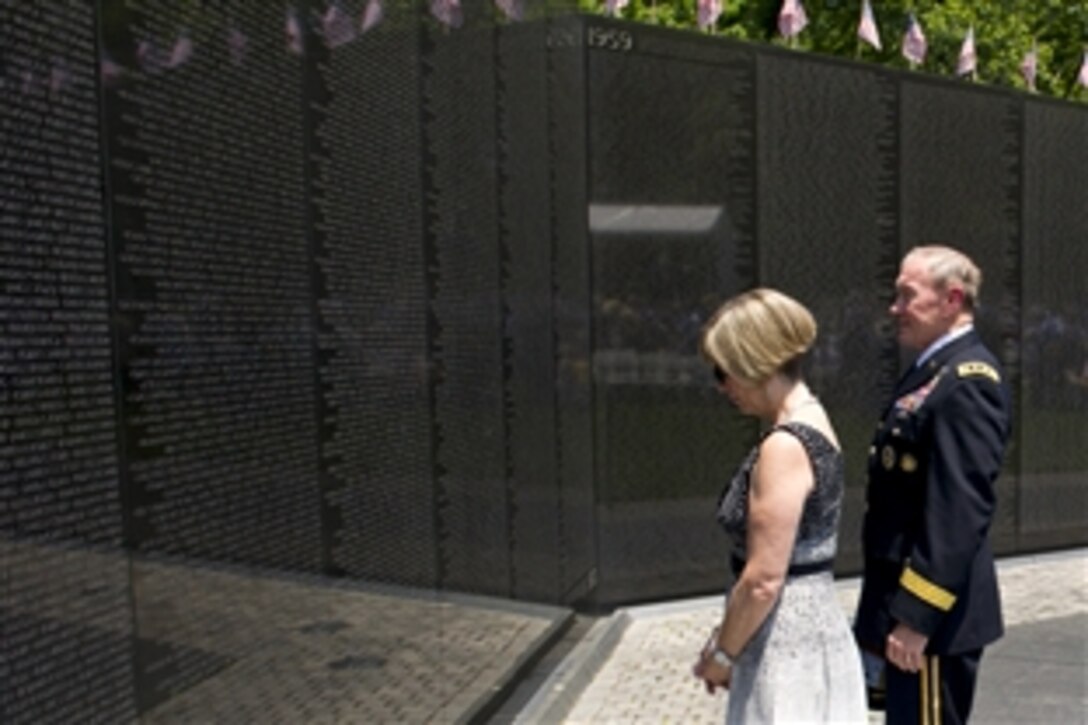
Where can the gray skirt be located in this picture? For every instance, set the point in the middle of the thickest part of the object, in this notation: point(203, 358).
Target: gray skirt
point(802, 665)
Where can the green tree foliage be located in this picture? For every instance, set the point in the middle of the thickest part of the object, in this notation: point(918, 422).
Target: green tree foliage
point(1004, 33)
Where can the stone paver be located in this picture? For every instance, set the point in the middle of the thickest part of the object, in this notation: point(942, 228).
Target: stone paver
point(222, 644)
point(228, 644)
point(305, 651)
point(648, 677)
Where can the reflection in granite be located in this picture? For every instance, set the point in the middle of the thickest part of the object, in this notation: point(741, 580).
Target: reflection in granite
point(305, 649)
point(65, 634)
point(422, 306)
point(231, 645)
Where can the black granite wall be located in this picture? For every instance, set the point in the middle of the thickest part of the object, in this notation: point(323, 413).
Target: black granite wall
point(714, 167)
point(418, 306)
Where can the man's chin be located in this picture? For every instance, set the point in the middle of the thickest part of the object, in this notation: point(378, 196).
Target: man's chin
point(906, 340)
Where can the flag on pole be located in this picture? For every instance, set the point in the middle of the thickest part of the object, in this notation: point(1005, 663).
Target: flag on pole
point(372, 15)
point(512, 9)
point(1082, 77)
point(1030, 65)
point(293, 33)
point(145, 54)
point(613, 7)
point(968, 59)
point(867, 29)
point(708, 13)
point(914, 42)
point(148, 57)
point(109, 71)
point(181, 51)
point(792, 18)
point(336, 26)
point(237, 44)
point(59, 77)
point(448, 12)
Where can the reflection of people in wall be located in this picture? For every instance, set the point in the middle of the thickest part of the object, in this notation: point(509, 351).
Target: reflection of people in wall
point(1078, 378)
point(929, 600)
point(1054, 360)
point(784, 647)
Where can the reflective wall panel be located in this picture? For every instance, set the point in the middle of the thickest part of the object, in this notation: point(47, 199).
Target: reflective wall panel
point(672, 231)
point(828, 205)
point(1052, 500)
point(961, 175)
point(66, 616)
point(342, 345)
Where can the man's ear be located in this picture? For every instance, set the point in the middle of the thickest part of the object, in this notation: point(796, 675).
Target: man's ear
point(955, 296)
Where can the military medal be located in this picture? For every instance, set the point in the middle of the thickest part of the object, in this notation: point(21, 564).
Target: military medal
point(913, 401)
point(887, 457)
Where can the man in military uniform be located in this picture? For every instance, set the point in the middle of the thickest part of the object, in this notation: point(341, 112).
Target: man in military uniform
point(929, 600)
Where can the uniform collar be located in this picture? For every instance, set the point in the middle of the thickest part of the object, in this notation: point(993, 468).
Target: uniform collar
point(942, 341)
point(917, 374)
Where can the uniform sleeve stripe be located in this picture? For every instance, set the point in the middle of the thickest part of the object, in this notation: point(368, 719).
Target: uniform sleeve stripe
point(926, 590)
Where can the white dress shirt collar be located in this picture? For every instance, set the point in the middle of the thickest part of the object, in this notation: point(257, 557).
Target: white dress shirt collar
point(942, 341)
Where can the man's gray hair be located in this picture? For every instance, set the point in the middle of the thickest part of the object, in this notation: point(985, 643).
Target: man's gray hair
point(948, 266)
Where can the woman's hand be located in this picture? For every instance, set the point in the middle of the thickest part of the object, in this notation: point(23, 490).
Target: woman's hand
point(707, 669)
point(713, 674)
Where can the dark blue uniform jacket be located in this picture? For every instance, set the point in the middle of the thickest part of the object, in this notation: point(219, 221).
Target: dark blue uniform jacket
point(932, 470)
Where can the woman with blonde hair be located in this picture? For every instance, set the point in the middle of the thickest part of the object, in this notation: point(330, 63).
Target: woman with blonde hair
point(783, 649)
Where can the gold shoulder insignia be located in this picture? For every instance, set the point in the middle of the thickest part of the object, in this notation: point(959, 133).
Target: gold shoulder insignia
point(977, 369)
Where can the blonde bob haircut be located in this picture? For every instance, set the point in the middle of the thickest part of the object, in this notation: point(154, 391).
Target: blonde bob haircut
point(757, 334)
point(950, 268)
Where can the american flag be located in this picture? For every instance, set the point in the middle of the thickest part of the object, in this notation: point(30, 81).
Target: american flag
point(914, 41)
point(448, 12)
point(968, 60)
point(293, 33)
point(181, 51)
point(108, 70)
point(709, 11)
point(867, 29)
point(372, 15)
point(613, 7)
point(337, 27)
point(149, 57)
point(512, 9)
point(237, 43)
point(1029, 67)
point(58, 77)
point(1082, 77)
point(792, 18)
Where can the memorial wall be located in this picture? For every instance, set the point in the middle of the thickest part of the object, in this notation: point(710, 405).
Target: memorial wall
point(65, 603)
point(815, 176)
point(315, 316)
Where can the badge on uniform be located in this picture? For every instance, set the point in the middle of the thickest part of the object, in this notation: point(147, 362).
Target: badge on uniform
point(913, 400)
point(977, 369)
point(887, 457)
point(908, 463)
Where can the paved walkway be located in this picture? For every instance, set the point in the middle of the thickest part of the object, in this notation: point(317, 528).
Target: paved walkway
point(635, 666)
point(311, 650)
point(230, 644)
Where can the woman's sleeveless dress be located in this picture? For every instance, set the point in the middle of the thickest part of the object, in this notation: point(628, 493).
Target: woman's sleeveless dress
point(802, 664)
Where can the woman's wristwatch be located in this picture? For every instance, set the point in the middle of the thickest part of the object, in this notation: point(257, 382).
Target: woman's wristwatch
point(719, 655)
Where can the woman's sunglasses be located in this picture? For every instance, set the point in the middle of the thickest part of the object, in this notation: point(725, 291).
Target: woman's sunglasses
point(720, 375)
